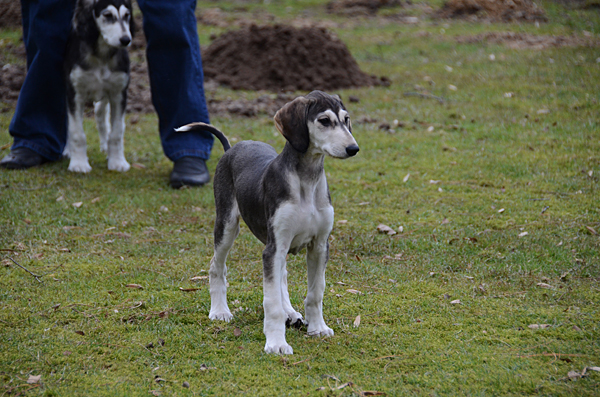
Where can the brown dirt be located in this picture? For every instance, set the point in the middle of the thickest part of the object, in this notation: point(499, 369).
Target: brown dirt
point(529, 41)
point(360, 7)
point(10, 13)
point(283, 58)
point(493, 10)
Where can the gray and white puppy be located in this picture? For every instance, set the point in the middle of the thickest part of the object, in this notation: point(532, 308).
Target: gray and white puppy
point(284, 199)
point(97, 69)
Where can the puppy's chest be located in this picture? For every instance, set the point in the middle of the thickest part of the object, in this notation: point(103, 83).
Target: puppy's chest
point(307, 216)
point(98, 82)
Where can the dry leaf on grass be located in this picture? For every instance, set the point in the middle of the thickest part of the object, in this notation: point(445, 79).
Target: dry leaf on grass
point(189, 289)
point(544, 285)
point(138, 166)
point(538, 326)
point(198, 278)
point(406, 178)
point(237, 331)
point(95, 200)
point(356, 321)
point(591, 230)
point(372, 393)
point(136, 286)
point(574, 375)
point(455, 302)
point(80, 333)
point(354, 291)
point(381, 228)
point(34, 379)
point(523, 234)
point(77, 204)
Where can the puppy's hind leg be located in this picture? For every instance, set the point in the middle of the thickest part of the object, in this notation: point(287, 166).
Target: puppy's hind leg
point(294, 319)
point(227, 228)
point(101, 112)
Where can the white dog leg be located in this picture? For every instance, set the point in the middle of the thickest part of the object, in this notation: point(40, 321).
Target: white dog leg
point(219, 310)
point(275, 315)
point(294, 319)
point(116, 152)
point(76, 142)
point(102, 114)
point(316, 260)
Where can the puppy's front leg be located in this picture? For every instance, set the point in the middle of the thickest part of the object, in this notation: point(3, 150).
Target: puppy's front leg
point(275, 315)
point(116, 152)
point(101, 112)
point(76, 142)
point(316, 260)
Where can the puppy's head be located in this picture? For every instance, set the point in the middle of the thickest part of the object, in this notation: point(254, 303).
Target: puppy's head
point(114, 21)
point(317, 122)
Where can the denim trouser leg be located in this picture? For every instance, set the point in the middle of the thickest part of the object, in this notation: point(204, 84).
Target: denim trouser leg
point(40, 119)
point(176, 76)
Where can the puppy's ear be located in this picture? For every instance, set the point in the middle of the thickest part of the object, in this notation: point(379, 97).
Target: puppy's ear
point(290, 120)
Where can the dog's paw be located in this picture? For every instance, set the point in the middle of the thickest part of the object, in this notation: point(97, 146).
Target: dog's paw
point(320, 331)
point(295, 320)
point(79, 166)
point(221, 315)
point(278, 348)
point(120, 165)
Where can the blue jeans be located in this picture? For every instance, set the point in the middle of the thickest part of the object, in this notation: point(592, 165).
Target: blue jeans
point(174, 66)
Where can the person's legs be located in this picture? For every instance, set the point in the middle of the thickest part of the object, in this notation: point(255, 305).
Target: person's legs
point(176, 76)
point(40, 120)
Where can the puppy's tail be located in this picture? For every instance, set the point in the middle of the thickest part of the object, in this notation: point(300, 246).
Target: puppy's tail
point(206, 127)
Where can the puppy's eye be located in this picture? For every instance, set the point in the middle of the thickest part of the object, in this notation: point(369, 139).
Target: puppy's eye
point(325, 122)
point(126, 16)
point(108, 16)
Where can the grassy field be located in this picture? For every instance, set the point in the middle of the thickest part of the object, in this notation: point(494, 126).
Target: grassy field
point(491, 288)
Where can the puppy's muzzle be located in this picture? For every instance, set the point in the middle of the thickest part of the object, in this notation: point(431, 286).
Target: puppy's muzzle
point(125, 40)
point(352, 150)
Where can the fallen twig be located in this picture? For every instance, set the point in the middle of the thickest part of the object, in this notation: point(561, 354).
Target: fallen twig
point(428, 96)
point(382, 357)
point(300, 362)
point(37, 277)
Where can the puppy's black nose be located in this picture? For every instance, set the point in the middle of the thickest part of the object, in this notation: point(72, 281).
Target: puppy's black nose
point(352, 150)
point(125, 40)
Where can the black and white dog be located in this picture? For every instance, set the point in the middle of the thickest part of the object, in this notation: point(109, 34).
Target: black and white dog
point(97, 69)
point(284, 199)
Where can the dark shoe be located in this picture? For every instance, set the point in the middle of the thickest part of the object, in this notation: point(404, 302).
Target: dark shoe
point(21, 158)
point(189, 171)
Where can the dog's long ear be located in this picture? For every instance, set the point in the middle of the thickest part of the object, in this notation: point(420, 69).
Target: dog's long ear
point(84, 24)
point(290, 120)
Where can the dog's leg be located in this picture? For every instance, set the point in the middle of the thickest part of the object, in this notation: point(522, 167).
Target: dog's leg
point(275, 315)
point(76, 142)
point(294, 319)
point(116, 152)
point(316, 260)
point(227, 228)
point(101, 112)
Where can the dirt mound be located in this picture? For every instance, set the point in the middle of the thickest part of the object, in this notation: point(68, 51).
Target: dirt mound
point(10, 13)
point(360, 7)
point(284, 58)
point(528, 41)
point(493, 10)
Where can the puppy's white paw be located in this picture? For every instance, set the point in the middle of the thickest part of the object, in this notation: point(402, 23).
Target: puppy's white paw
point(120, 165)
point(320, 331)
point(278, 348)
point(220, 315)
point(79, 166)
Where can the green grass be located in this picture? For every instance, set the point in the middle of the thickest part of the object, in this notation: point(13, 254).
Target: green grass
point(86, 333)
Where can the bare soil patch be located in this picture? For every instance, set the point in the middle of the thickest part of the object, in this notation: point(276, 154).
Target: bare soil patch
point(529, 41)
point(493, 10)
point(10, 13)
point(283, 58)
point(360, 7)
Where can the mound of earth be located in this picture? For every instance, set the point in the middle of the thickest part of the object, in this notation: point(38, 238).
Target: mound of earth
point(10, 13)
point(360, 7)
point(493, 10)
point(283, 58)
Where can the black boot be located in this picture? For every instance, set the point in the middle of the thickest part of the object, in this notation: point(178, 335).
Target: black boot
point(21, 158)
point(189, 171)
